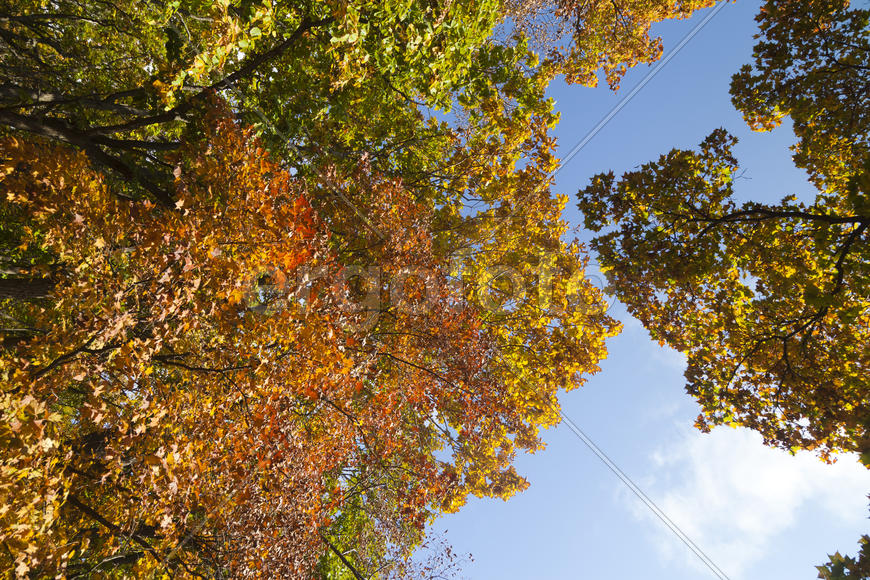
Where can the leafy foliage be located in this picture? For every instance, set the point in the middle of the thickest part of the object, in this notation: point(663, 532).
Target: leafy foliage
point(265, 313)
point(769, 301)
point(612, 36)
point(845, 567)
point(811, 64)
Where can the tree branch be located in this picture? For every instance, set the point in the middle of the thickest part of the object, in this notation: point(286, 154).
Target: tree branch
point(251, 64)
point(341, 556)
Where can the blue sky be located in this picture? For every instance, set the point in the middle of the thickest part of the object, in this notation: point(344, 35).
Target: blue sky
point(756, 512)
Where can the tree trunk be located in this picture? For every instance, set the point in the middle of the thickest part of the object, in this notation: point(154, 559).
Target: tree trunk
point(25, 288)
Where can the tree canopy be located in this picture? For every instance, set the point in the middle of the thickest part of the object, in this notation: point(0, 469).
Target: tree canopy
point(268, 309)
point(282, 282)
point(769, 301)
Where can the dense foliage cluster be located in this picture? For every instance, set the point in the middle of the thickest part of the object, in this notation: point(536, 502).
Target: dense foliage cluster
point(769, 301)
point(281, 282)
point(265, 311)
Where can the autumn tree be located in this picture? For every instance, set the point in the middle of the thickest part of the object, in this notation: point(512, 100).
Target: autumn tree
point(265, 314)
point(769, 301)
point(612, 36)
point(202, 396)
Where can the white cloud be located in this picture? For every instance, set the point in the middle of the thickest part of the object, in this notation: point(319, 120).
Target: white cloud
point(732, 495)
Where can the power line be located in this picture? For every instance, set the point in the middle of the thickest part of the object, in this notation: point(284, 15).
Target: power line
point(619, 106)
point(643, 497)
point(637, 88)
point(661, 515)
point(650, 504)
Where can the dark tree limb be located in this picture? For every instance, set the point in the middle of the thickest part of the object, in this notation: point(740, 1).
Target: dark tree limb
point(59, 130)
point(95, 140)
point(342, 557)
point(251, 64)
point(25, 288)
